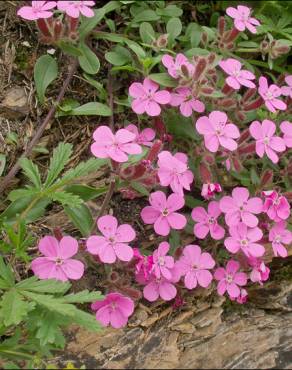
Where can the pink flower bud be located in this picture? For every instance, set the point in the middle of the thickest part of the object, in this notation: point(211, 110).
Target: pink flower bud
point(267, 178)
point(43, 27)
point(205, 173)
point(221, 25)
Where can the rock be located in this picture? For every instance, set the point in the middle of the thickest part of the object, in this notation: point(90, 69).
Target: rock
point(199, 336)
point(15, 104)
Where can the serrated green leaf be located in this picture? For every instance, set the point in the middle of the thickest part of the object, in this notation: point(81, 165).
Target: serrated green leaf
point(31, 171)
point(45, 72)
point(66, 199)
point(21, 193)
point(51, 303)
point(83, 297)
point(81, 217)
point(51, 286)
point(6, 273)
point(60, 157)
point(89, 61)
point(49, 328)
point(86, 192)
point(88, 321)
point(14, 308)
point(82, 169)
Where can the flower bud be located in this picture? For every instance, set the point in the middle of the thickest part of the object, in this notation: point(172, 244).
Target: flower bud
point(267, 178)
point(205, 173)
point(200, 68)
point(221, 25)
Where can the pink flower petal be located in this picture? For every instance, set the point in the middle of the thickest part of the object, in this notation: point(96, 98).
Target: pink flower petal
point(167, 291)
point(107, 254)
point(49, 246)
point(107, 225)
point(204, 278)
point(73, 269)
point(201, 230)
point(151, 291)
point(176, 221)
point(125, 233)
point(68, 247)
point(94, 242)
point(123, 251)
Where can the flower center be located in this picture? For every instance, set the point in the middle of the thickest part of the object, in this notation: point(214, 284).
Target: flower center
point(266, 140)
point(211, 220)
point(278, 239)
point(244, 242)
point(113, 305)
point(276, 201)
point(161, 261)
point(165, 212)
point(58, 261)
point(269, 95)
point(229, 278)
point(111, 239)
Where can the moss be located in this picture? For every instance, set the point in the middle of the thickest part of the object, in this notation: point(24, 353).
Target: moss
point(22, 58)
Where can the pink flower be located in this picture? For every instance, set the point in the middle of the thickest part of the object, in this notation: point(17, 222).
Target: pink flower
point(270, 95)
point(209, 190)
point(144, 137)
point(207, 221)
point(229, 279)
point(173, 171)
point(237, 76)
point(174, 65)
point(147, 98)
point(114, 242)
point(37, 10)
point(266, 141)
point(115, 146)
point(162, 213)
point(244, 238)
point(143, 267)
point(260, 272)
point(279, 235)
point(162, 264)
point(216, 131)
point(242, 298)
point(183, 97)
point(75, 8)
point(242, 18)
point(276, 206)
point(194, 265)
point(240, 208)
point(286, 128)
point(114, 309)
point(287, 90)
point(161, 287)
point(57, 263)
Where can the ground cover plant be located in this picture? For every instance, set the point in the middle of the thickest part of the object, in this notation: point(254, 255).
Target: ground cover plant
point(189, 119)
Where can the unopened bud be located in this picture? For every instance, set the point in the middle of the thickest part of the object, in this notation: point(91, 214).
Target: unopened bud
point(162, 41)
point(206, 90)
point(221, 25)
point(205, 173)
point(267, 178)
point(200, 68)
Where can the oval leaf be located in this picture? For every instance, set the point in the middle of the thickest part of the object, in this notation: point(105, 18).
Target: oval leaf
point(89, 62)
point(45, 72)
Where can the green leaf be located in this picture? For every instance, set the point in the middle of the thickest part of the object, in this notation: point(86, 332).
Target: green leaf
point(6, 273)
point(163, 79)
point(66, 199)
point(191, 202)
point(83, 169)
point(170, 11)
point(173, 28)
point(60, 157)
point(146, 16)
point(89, 109)
point(31, 171)
point(2, 163)
point(86, 192)
point(119, 56)
point(88, 321)
point(139, 188)
point(49, 328)
point(88, 24)
point(137, 49)
point(13, 308)
point(196, 51)
point(89, 62)
point(174, 241)
point(21, 193)
point(69, 48)
point(44, 286)
point(51, 303)
point(83, 297)
point(45, 72)
point(111, 6)
point(81, 218)
point(179, 126)
point(147, 32)
point(97, 85)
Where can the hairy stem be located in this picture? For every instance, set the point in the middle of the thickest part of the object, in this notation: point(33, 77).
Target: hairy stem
point(14, 170)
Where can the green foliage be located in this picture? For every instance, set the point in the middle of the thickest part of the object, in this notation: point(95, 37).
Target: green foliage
point(45, 72)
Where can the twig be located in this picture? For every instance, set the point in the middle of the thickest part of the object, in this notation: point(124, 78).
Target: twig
point(108, 197)
point(14, 170)
point(111, 99)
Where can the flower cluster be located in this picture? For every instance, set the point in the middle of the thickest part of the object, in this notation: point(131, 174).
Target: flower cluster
point(245, 222)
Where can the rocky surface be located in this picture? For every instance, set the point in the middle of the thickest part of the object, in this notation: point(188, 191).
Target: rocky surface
point(207, 332)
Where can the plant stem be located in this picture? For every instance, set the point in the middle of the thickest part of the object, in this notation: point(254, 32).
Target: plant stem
point(14, 170)
point(108, 196)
